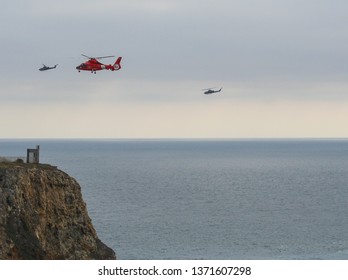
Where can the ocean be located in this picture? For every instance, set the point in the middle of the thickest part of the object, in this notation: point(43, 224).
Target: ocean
point(209, 199)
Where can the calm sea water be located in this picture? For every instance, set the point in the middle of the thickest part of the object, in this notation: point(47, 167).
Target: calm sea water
point(238, 199)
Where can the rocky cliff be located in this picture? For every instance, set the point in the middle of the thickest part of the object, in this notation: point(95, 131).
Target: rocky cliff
point(43, 216)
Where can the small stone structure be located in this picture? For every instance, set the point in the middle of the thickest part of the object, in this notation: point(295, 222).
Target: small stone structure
point(33, 155)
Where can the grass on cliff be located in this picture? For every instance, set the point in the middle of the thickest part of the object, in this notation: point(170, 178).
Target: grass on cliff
point(5, 165)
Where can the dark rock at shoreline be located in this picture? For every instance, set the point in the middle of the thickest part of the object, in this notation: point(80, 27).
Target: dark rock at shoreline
point(43, 216)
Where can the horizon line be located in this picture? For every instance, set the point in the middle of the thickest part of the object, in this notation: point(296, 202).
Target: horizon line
point(170, 138)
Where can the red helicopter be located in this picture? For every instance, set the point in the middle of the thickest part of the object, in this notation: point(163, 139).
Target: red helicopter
point(94, 65)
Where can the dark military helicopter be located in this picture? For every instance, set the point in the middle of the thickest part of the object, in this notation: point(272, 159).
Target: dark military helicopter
point(210, 90)
point(44, 67)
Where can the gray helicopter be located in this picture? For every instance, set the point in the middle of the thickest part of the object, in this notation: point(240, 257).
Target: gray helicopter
point(210, 90)
point(44, 67)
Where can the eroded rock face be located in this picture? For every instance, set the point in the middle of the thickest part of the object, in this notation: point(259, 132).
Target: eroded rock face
point(43, 216)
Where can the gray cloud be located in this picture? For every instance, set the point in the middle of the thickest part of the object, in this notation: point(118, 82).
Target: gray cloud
point(258, 50)
point(168, 40)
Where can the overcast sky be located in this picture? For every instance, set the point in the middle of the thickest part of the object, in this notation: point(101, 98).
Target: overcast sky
point(282, 65)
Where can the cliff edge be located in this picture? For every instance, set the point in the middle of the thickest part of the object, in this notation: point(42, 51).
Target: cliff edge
point(43, 216)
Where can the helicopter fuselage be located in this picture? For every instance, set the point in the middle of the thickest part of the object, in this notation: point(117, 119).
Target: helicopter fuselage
point(210, 91)
point(44, 68)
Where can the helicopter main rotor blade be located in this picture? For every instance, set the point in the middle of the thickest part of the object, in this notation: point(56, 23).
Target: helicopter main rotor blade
point(100, 57)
